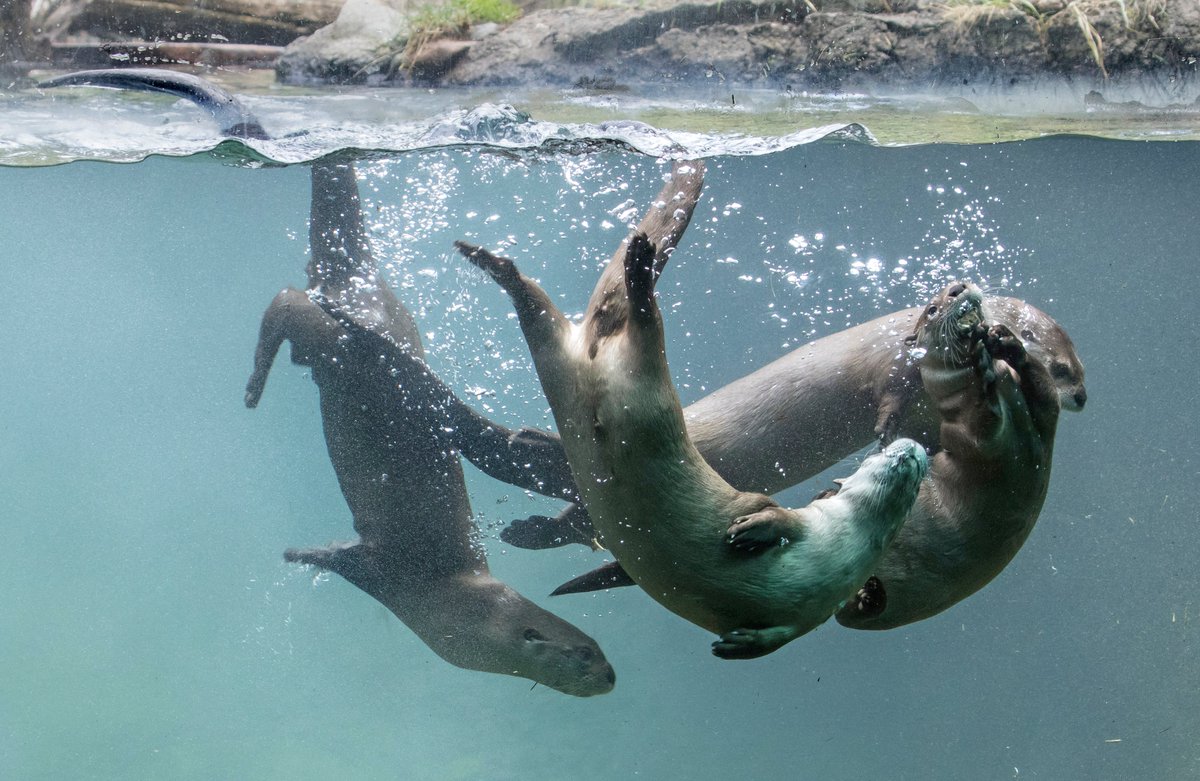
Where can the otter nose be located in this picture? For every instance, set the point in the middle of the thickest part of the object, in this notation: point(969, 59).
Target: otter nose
point(1081, 398)
point(611, 675)
point(955, 289)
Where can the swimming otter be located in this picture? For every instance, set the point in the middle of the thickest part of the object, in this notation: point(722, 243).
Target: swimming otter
point(998, 409)
point(402, 481)
point(802, 413)
point(735, 563)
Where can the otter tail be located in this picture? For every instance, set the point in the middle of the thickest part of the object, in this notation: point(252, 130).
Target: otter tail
point(234, 119)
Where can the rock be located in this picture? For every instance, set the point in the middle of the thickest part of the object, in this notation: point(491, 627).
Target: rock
point(565, 46)
point(839, 45)
point(481, 31)
point(1167, 41)
point(267, 22)
point(1007, 43)
point(855, 6)
point(355, 47)
point(847, 46)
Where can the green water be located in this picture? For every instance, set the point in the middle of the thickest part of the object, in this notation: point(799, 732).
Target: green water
point(150, 628)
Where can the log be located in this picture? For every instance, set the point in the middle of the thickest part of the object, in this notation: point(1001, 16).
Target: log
point(71, 56)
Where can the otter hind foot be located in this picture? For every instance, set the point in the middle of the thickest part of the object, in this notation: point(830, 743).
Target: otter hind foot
point(768, 528)
point(352, 560)
point(334, 557)
point(539, 532)
point(640, 274)
point(499, 268)
point(752, 643)
point(871, 599)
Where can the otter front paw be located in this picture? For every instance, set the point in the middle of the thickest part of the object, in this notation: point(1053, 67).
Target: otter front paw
point(1002, 343)
point(767, 528)
point(752, 643)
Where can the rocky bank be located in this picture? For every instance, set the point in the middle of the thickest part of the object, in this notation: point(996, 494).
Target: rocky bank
point(803, 44)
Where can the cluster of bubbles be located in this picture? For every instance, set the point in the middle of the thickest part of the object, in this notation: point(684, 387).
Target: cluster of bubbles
point(560, 216)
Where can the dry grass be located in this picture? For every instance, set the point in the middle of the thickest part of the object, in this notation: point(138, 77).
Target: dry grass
point(1137, 15)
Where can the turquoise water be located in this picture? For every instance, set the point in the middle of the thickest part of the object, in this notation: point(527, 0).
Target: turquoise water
point(150, 628)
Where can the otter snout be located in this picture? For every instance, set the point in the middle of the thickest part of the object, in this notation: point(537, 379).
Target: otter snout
point(906, 455)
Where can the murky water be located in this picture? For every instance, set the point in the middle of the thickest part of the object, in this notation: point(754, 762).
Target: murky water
point(150, 628)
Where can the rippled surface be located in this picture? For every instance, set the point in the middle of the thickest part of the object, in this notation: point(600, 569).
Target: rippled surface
point(55, 126)
point(151, 629)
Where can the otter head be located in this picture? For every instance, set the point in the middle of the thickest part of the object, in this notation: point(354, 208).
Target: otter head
point(556, 654)
point(885, 487)
point(896, 471)
point(1047, 342)
point(950, 325)
point(479, 623)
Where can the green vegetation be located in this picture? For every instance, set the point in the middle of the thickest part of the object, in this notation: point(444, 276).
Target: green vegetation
point(432, 21)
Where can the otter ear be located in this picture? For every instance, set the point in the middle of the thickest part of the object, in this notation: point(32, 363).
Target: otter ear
point(910, 340)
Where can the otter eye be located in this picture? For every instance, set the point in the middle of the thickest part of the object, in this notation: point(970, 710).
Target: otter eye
point(532, 634)
point(1028, 335)
point(1060, 371)
point(584, 653)
point(931, 310)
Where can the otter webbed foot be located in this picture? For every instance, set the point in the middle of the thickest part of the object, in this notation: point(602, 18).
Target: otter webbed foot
point(640, 274)
point(769, 527)
point(354, 561)
point(871, 599)
point(538, 532)
point(500, 268)
point(752, 643)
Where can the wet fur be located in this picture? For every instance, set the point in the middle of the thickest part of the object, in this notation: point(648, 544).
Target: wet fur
point(416, 554)
point(402, 481)
point(998, 408)
point(804, 412)
point(732, 562)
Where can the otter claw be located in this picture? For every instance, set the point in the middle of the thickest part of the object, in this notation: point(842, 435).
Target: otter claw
point(751, 643)
point(1002, 343)
point(769, 527)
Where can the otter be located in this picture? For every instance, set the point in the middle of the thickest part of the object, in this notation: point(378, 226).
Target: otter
point(802, 413)
point(404, 485)
point(416, 553)
point(998, 407)
point(732, 562)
